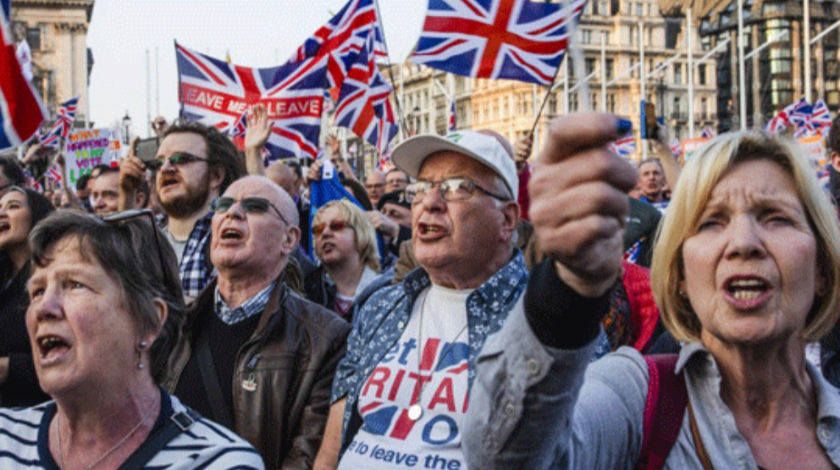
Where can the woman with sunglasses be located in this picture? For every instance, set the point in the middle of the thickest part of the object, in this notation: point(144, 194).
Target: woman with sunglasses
point(20, 210)
point(105, 310)
point(345, 242)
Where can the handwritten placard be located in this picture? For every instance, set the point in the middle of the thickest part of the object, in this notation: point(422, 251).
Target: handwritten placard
point(85, 149)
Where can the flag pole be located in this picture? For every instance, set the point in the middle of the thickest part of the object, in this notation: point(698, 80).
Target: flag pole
point(545, 98)
point(381, 25)
point(572, 47)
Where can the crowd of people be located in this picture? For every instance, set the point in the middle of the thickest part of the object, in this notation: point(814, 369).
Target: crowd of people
point(475, 306)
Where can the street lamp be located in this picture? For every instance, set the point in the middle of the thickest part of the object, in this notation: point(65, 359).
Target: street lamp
point(126, 128)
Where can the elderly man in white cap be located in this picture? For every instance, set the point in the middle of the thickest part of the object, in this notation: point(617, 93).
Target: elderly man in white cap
point(400, 393)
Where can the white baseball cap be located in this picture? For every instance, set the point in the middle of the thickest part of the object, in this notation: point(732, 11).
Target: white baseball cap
point(410, 155)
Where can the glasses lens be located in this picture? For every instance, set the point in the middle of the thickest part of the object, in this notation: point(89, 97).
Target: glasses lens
point(222, 204)
point(456, 189)
point(156, 163)
point(417, 190)
point(255, 204)
point(338, 225)
point(318, 229)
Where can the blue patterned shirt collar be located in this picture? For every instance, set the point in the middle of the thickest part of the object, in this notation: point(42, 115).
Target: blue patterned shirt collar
point(417, 280)
point(251, 307)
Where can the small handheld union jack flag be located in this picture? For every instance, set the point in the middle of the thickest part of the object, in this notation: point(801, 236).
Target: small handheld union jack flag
point(453, 117)
point(708, 133)
point(63, 123)
point(779, 123)
point(624, 146)
point(820, 117)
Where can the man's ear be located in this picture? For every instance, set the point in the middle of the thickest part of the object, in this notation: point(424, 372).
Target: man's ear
point(217, 176)
point(511, 213)
point(291, 240)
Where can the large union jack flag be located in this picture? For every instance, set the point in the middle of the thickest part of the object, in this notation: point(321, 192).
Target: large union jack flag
point(342, 38)
point(64, 120)
point(510, 39)
point(21, 112)
point(363, 104)
point(218, 94)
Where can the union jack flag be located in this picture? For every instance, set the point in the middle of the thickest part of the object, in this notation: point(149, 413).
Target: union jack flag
point(779, 123)
point(64, 120)
point(624, 146)
point(708, 133)
point(820, 116)
point(453, 117)
point(799, 115)
point(237, 131)
point(342, 38)
point(675, 146)
point(218, 94)
point(31, 181)
point(54, 174)
point(21, 112)
point(499, 39)
point(363, 103)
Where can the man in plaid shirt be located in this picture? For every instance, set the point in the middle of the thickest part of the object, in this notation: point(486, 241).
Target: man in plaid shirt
point(194, 165)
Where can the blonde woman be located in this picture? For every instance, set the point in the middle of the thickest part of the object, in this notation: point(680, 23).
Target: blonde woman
point(345, 242)
point(746, 271)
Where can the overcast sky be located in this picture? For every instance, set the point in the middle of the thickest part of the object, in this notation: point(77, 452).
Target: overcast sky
point(258, 33)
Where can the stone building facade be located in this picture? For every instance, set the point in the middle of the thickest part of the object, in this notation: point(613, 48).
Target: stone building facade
point(56, 31)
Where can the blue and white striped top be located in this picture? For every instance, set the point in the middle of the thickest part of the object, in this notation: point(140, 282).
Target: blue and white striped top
point(205, 445)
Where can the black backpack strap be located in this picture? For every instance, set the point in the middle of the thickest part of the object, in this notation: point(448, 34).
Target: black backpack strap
point(176, 424)
point(210, 379)
point(665, 407)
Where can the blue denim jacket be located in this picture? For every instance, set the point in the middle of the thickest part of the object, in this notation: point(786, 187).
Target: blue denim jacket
point(382, 319)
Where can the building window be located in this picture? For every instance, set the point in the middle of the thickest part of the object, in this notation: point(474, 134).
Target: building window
point(33, 38)
point(590, 65)
point(640, 9)
point(587, 36)
point(573, 102)
point(611, 102)
point(704, 109)
point(678, 74)
point(701, 74)
point(610, 67)
point(677, 107)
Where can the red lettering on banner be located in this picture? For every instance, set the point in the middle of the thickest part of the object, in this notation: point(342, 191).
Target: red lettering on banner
point(444, 394)
point(378, 382)
point(234, 106)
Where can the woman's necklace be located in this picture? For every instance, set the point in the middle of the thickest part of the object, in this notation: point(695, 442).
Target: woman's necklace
point(111, 450)
point(415, 412)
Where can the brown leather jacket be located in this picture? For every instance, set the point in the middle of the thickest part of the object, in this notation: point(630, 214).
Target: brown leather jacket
point(291, 358)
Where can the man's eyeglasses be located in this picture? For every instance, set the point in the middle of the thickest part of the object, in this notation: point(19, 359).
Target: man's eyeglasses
point(180, 158)
point(451, 190)
point(335, 226)
point(251, 205)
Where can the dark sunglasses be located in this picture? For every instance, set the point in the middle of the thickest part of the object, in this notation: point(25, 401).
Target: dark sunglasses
point(251, 205)
point(335, 226)
point(180, 158)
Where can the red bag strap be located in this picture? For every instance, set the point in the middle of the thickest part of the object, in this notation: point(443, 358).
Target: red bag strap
point(665, 407)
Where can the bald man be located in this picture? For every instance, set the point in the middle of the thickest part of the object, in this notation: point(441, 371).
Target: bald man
point(247, 335)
